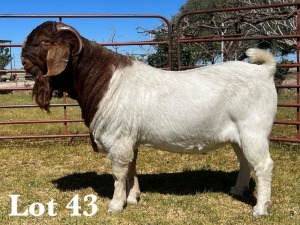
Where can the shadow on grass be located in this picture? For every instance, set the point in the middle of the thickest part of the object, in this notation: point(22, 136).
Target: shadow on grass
point(181, 183)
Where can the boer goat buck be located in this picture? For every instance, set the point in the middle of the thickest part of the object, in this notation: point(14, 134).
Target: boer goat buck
point(127, 104)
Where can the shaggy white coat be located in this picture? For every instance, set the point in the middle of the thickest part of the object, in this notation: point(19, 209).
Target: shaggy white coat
point(192, 111)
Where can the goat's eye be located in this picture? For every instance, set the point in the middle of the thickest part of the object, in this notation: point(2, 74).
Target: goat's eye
point(45, 42)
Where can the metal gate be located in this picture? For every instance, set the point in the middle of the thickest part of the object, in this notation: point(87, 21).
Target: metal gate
point(65, 121)
point(292, 124)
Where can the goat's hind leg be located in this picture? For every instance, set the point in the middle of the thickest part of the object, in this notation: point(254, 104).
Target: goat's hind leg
point(263, 171)
point(256, 151)
point(242, 183)
point(133, 189)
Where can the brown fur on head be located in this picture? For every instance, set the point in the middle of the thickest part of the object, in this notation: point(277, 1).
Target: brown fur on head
point(46, 52)
point(60, 59)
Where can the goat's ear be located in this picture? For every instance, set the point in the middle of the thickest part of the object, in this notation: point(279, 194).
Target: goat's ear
point(57, 59)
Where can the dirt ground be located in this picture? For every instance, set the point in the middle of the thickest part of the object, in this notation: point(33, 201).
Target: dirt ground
point(16, 84)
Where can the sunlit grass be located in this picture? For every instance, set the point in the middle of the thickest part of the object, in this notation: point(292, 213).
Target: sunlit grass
point(57, 113)
point(176, 189)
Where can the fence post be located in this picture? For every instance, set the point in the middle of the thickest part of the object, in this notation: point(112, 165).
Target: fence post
point(298, 72)
point(65, 113)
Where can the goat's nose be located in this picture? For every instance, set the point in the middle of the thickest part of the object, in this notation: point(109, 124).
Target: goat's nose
point(23, 60)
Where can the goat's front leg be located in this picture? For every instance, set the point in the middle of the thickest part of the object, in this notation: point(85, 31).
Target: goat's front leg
point(133, 188)
point(119, 172)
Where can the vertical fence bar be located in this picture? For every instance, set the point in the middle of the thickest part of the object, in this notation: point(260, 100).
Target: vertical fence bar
point(178, 35)
point(65, 113)
point(298, 72)
point(65, 102)
point(170, 46)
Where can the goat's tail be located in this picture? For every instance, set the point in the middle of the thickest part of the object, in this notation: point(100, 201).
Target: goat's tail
point(264, 57)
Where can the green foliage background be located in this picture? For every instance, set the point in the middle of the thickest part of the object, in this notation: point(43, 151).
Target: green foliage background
point(205, 25)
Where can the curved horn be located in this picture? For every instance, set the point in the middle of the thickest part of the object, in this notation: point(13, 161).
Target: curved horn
point(63, 27)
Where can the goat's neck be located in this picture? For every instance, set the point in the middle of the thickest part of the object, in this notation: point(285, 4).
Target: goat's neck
point(92, 74)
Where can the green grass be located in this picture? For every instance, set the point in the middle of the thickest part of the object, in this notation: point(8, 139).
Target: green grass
point(13, 114)
point(286, 114)
point(176, 189)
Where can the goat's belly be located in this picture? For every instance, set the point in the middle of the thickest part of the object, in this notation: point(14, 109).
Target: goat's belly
point(191, 139)
point(185, 149)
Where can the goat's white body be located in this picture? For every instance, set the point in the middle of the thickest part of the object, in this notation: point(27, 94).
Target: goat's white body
point(192, 111)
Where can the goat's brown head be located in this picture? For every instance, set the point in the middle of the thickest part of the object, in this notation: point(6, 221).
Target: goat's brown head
point(46, 53)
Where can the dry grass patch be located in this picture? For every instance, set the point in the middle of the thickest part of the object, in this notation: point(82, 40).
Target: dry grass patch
point(176, 189)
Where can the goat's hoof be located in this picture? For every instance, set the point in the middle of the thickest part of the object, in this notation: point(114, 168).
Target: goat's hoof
point(261, 210)
point(132, 200)
point(115, 207)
